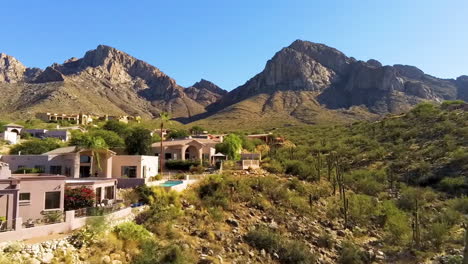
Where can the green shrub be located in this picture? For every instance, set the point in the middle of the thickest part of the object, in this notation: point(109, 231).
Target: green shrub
point(290, 252)
point(132, 231)
point(184, 165)
point(351, 254)
point(455, 185)
point(367, 182)
point(213, 192)
point(437, 233)
point(325, 240)
point(361, 209)
point(396, 224)
point(459, 204)
point(273, 166)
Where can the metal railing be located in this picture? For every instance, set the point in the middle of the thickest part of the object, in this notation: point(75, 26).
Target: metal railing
point(99, 210)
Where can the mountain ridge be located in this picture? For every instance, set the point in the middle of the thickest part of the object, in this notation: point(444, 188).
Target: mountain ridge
point(303, 82)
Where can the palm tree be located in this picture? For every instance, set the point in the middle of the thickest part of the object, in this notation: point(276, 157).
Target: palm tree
point(164, 118)
point(93, 144)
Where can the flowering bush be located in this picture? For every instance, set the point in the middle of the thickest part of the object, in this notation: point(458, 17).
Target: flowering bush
point(81, 197)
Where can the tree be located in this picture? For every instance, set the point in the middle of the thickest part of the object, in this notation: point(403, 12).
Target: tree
point(120, 128)
point(164, 119)
point(197, 130)
point(181, 133)
point(36, 146)
point(231, 146)
point(76, 198)
point(139, 141)
point(94, 144)
point(112, 139)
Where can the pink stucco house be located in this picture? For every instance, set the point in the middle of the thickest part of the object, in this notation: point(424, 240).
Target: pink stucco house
point(28, 196)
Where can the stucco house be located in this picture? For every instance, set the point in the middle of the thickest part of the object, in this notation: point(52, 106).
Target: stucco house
point(62, 134)
point(186, 149)
point(11, 133)
point(87, 165)
point(29, 196)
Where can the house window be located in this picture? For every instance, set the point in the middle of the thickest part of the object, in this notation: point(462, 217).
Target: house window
point(25, 197)
point(168, 156)
point(109, 192)
point(129, 171)
point(67, 171)
point(52, 200)
point(144, 171)
point(40, 168)
point(55, 169)
point(85, 159)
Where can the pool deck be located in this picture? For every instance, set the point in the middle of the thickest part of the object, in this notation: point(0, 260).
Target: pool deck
point(178, 187)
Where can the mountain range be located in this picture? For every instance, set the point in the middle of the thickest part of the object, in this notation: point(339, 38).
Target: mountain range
point(303, 83)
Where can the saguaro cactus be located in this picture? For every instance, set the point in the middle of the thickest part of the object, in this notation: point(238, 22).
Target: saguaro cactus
point(416, 225)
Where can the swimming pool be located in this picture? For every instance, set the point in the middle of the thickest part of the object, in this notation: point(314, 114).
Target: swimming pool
point(170, 183)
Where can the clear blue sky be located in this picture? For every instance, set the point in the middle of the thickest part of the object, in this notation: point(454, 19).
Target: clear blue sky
point(229, 42)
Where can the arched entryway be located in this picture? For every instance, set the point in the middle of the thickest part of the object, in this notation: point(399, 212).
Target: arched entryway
point(191, 153)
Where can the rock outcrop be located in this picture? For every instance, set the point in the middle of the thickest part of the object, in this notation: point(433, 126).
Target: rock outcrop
point(341, 82)
point(11, 70)
point(205, 92)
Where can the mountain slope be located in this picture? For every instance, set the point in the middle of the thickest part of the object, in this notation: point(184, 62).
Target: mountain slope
point(334, 82)
point(104, 81)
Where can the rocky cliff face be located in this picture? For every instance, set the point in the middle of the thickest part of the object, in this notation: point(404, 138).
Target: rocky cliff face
point(104, 81)
point(205, 92)
point(341, 82)
point(11, 70)
point(305, 81)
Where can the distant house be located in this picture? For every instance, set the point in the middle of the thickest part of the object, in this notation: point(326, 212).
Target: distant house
point(62, 134)
point(29, 196)
point(186, 149)
point(11, 133)
point(77, 119)
point(268, 138)
point(250, 160)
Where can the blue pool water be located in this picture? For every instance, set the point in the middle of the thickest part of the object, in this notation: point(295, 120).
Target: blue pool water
point(170, 183)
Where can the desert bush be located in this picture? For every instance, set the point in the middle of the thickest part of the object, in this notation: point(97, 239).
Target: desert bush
point(273, 166)
point(133, 232)
point(325, 240)
point(396, 224)
point(198, 169)
point(370, 182)
point(36, 146)
point(455, 185)
point(183, 165)
point(361, 209)
point(290, 252)
point(214, 192)
point(351, 254)
point(437, 233)
point(459, 204)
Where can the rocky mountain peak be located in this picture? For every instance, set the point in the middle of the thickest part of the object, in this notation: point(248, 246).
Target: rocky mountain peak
point(325, 55)
point(11, 70)
point(204, 84)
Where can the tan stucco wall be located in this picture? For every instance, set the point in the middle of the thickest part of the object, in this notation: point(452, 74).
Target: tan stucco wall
point(149, 162)
point(29, 161)
point(38, 188)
